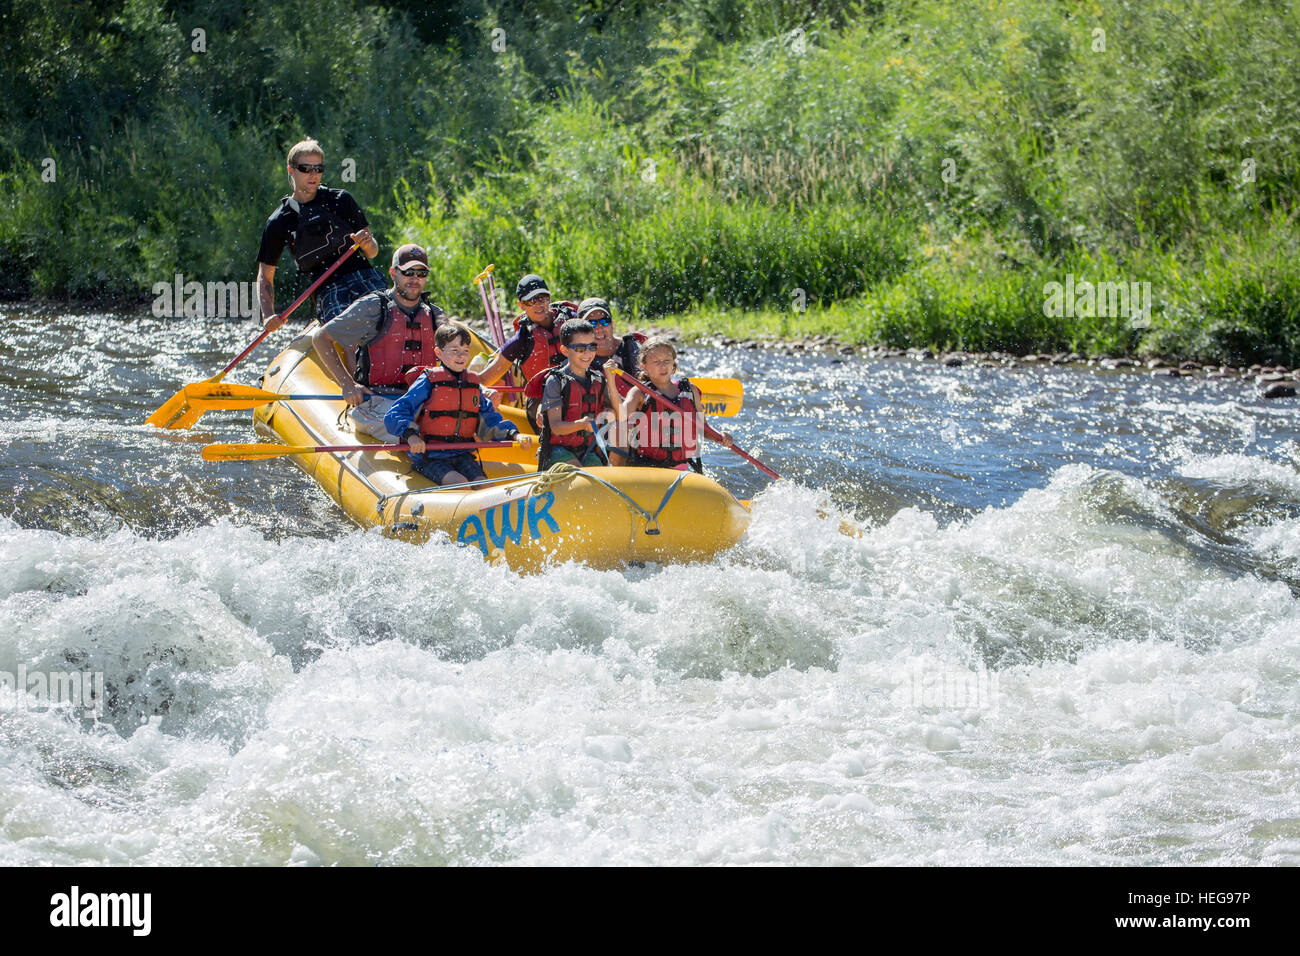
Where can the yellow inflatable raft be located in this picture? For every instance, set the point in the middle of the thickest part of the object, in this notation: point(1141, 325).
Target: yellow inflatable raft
point(605, 517)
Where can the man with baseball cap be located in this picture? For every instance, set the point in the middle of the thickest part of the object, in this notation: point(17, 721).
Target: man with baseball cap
point(383, 336)
point(318, 225)
point(535, 346)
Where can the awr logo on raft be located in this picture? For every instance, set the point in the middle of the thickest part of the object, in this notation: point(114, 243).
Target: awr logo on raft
point(505, 522)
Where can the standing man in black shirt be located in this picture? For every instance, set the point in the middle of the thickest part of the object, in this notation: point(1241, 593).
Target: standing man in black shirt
point(318, 224)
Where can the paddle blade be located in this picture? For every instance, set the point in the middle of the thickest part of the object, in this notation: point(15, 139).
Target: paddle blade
point(188, 417)
point(720, 406)
point(228, 397)
point(730, 387)
point(168, 412)
point(723, 397)
point(252, 452)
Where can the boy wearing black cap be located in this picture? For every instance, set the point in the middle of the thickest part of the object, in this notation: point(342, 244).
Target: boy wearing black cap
point(535, 346)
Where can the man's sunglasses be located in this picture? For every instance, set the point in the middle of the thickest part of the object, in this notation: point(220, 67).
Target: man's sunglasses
point(605, 321)
point(418, 273)
point(309, 167)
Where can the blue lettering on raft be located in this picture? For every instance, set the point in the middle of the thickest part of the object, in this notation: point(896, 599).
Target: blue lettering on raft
point(537, 511)
point(507, 530)
point(502, 526)
point(471, 532)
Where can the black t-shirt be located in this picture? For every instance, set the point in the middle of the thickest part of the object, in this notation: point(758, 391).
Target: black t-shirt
point(316, 233)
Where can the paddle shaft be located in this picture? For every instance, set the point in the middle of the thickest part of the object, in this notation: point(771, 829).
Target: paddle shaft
point(258, 452)
point(496, 313)
point(296, 302)
point(489, 310)
point(441, 446)
point(709, 431)
point(488, 291)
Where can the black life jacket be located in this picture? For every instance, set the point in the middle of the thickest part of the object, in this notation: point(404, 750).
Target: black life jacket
point(628, 353)
point(322, 234)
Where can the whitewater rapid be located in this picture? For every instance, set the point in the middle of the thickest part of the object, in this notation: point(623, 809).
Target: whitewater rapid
point(1038, 684)
point(1065, 632)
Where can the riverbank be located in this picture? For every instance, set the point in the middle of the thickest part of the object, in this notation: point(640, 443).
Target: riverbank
point(931, 175)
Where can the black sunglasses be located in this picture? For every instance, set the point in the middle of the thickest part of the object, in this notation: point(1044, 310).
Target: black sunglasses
point(309, 167)
point(419, 272)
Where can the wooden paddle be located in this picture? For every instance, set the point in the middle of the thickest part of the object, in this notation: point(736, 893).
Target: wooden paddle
point(709, 431)
point(257, 451)
point(176, 412)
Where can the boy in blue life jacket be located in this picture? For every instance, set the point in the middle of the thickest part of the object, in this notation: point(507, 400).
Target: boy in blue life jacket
point(573, 396)
point(447, 404)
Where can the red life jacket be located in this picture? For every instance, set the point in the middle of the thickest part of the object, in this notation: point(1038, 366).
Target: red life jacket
point(401, 344)
point(541, 346)
point(580, 399)
point(651, 441)
point(451, 411)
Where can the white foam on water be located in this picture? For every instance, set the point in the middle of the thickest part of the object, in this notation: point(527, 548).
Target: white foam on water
point(1244, 470)
point(1064, 680)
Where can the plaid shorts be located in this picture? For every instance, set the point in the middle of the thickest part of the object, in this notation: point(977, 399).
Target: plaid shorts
point(436, 469)
point(341, 291)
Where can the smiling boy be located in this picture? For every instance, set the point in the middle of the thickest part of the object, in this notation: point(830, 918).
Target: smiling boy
point(572, 396)
point(446, 404)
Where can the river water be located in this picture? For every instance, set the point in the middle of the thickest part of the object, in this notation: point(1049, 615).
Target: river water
point(1068, 634)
